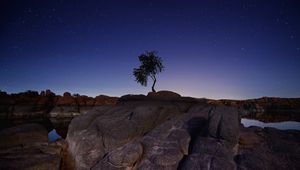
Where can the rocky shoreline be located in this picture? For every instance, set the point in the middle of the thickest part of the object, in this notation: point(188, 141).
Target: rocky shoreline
point(51, 110)
point(159, 131)
point(268, 109)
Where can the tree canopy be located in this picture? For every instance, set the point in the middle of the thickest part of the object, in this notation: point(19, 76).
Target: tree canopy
point(151, 65)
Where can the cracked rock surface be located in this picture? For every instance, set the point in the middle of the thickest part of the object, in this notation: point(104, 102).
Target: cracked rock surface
point(166, 131)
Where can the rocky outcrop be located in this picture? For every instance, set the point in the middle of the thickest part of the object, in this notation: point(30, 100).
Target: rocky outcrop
point(47, 108)
point(165, 95)
point(159, 131)
point(55, 111)
point(153, 133)
point(146, 132)
point(67, 107)
point(26, 147)
point(267, 109)
point(28, 107)
point(268, 148)
point(108, 128)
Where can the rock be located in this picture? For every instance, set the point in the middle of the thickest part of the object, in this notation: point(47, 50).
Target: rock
point(213, 138)
point(67, 94)
point(160, 131)
point(249, 139)
point(209, 153)
point(105, 100)
point(32, 160)
point(268, 109)
point(82, 100)
point(125, 156)
point(153, 135)
point(206, 162)
point(66, 100)
point(163, 95)
point(49, 93)
point(130, 97)
point(224, 124)
point(68, 107)
point(165, 145)
point(46, 108)
point(108, 128)
point(269, 148)
point(26, 147)
point(22, 135)
point(23, 108)
point(183, 103)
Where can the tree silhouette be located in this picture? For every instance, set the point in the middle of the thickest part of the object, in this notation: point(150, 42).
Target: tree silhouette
point(151, 65)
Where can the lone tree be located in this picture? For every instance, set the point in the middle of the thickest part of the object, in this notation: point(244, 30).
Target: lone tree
point(151, 65)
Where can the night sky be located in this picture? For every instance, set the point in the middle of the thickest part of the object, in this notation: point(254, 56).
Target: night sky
point(216, 49)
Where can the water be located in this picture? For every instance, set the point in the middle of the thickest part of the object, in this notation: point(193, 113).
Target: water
point(278, 125)
point(53, 136)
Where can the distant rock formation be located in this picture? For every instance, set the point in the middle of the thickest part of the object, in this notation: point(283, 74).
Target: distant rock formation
point(54, 111)
point(267, 109)
point(46, 108)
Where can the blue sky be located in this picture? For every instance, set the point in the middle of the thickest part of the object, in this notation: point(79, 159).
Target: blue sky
point(234, 49)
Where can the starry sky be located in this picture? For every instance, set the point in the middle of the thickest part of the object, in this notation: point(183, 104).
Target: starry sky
point(235, 49)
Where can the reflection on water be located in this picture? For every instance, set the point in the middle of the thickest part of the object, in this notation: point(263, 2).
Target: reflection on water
point(279, 125)
point(53, 136)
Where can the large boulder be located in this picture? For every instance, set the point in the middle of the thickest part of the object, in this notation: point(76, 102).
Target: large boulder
point(163, 95)
point(153, 134)
point(224, 124)
point(124, 156)
point(209, 153)
point(268, 148)
point(214, 143)
point(93, 135)
point(165, 146)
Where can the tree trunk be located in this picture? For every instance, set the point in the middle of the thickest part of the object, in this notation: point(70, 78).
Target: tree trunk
point(154, 81)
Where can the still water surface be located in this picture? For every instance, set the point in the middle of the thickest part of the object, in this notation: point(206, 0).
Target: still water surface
point(53, 136)
point(278, 125)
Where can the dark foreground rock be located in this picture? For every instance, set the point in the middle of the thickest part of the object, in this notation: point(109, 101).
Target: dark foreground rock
point(268, 148)
point(26, 147)
point(158, 132)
